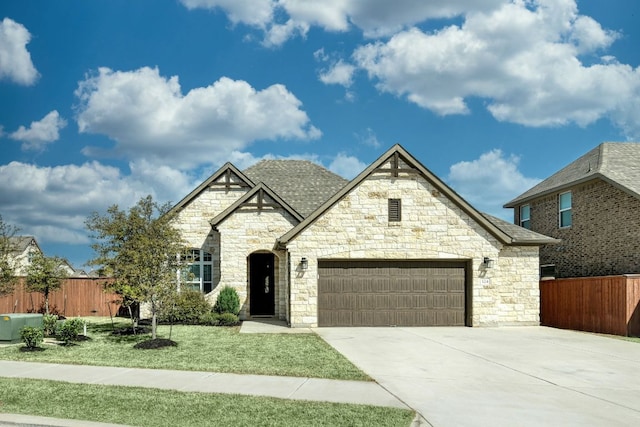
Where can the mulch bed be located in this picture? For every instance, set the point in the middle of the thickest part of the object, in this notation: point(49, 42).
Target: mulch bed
point(155, 344)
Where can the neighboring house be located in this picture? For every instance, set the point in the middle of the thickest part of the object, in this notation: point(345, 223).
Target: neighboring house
point(23, 248)
point(394, 246)
point(592, 205)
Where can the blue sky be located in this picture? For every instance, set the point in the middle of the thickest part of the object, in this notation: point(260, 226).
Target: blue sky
point(103, 102)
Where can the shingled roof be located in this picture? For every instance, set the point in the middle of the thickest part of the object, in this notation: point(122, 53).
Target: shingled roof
point(519, 235)
point(20, 243)
point(617, 163)
point(304, 185)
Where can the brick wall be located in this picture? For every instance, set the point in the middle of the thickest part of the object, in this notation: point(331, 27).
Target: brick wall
point(604, 238)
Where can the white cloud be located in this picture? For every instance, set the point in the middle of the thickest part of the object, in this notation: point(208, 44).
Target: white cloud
point(368, 137)
point(40, 133)
point(53, 203)
point(346, 166)
point(147, 115)
point(375, 18)
point(490, 181)
point(251, 12)
point(15, 59)
point(522, 58)
point(339, 73)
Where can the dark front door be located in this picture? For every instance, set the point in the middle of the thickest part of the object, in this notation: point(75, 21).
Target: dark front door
point(261, 285)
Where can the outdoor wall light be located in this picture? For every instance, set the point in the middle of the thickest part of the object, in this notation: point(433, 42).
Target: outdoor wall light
point(304, 263)
point(487, 262)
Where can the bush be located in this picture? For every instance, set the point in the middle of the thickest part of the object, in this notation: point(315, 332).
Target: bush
point(49, 323)
point(210, 319)
point(227, 301)
point(32, 336)
point(70, 329)
point(228, 319)
point(189, 307)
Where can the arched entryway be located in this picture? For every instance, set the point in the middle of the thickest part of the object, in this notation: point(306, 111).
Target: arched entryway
point(261, 284)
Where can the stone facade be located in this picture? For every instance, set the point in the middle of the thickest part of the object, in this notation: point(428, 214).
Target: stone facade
point(432, 228)
point(604, 238)
point(435, 225)
point(249, 231)
point(193, 221)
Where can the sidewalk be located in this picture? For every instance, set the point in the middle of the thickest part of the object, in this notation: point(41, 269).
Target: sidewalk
point(316, 389)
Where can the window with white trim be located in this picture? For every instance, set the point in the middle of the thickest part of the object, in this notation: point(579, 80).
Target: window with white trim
point(198, 274)
point(525, 216)
point(565, 210)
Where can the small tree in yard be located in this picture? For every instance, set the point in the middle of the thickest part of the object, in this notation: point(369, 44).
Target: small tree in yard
point(141, 250)
point(44, 275)
point(7, 272)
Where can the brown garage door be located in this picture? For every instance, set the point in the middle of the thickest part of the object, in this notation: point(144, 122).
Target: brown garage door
point(391, 293)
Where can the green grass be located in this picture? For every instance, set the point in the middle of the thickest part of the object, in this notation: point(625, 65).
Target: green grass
point(154, 407)
point(201, 348)
point(632, 339)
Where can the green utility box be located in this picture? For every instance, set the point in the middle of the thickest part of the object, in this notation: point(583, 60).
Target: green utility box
point(10, 324)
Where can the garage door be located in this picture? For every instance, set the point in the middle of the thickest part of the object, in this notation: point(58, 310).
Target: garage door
point(391, 293)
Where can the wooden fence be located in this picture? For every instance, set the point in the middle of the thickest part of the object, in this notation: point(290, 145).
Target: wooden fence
point(609, 305)
point(76, 297)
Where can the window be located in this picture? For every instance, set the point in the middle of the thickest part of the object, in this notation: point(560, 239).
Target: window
point(525, 216)
point(395, 210)
point(198, 274)
point(564, 205)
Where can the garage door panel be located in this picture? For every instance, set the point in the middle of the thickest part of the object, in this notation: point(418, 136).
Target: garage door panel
point(385, 293)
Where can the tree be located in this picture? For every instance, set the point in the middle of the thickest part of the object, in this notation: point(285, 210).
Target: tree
point(44, 275)
point(141, 251)
point(7, 270)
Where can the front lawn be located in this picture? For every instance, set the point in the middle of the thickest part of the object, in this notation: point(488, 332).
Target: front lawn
point(200, 348)
point(154, 407)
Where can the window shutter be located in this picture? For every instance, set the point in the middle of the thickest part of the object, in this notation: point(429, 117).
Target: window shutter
point(395, 210)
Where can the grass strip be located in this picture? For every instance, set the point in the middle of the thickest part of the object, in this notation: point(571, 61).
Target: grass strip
point(153, 407)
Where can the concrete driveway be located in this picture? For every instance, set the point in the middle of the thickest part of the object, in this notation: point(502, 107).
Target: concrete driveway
point(510, 376)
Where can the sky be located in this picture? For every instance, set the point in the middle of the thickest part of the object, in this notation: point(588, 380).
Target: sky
point(103, 102)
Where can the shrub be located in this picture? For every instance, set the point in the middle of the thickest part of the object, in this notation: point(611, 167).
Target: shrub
point(32, 336)
point(49, 323)
point(70, 329)
point(189, 307)
point(210, 319)
point(227, 319)
point(227, 301)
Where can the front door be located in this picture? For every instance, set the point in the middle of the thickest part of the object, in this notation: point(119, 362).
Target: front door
point(261, 284)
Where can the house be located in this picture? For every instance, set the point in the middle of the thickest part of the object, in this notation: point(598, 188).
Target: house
point(22, 251)
point(592, 205)
point(393, 246)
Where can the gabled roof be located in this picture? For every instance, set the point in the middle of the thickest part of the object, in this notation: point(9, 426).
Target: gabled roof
point(303, 184)
point(231, 175)
point(20, 243)
point(259, 191)
point(501, 230)
point(617, 163)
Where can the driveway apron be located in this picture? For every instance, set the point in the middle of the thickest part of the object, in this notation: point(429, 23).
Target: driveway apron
point(509, 376)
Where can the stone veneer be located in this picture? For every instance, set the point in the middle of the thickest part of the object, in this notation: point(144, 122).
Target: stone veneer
point(248, 231)
point(193, 221)
point(432, 228)
point(242, 233)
